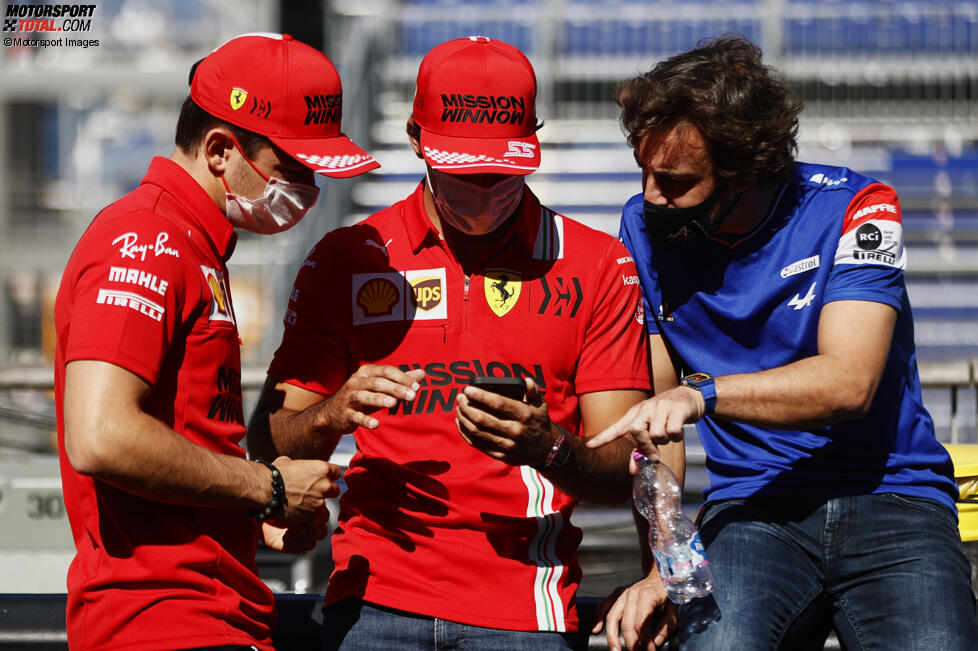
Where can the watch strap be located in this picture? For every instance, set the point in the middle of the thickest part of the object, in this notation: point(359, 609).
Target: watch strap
point(703, 382)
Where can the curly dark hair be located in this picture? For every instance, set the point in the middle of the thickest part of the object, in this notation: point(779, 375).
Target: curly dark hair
point(746, 111)
point(194, 122)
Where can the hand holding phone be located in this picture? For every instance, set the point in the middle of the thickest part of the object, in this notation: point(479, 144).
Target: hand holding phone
point(510, 387)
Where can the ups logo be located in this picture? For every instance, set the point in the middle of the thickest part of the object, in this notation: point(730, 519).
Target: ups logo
point(426, 293)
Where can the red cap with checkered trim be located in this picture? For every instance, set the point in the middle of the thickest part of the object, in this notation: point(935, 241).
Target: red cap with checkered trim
point(475, 106)
point(285, 90)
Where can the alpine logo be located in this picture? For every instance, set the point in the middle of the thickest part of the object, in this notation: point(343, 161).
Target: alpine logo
point(824, 180)
point(799, 303)
point(682, 234)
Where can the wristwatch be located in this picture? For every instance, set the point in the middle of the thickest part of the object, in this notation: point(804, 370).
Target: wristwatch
point(560, 451)
point(703, 382)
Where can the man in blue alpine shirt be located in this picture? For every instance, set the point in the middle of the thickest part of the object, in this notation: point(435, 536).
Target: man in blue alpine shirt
point(777, 289)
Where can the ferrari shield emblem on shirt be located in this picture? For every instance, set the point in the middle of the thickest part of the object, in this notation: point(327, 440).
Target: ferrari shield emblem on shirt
point(502, 290)
point(238, 97)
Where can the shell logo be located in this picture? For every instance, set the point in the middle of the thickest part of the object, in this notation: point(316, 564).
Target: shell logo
point(377, 297)
point(218, 291)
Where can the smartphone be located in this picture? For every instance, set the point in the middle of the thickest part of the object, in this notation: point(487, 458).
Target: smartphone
point(511, 387)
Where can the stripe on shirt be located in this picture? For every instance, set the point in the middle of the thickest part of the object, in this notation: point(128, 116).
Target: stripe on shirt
point(543, 550)
point(549, 244)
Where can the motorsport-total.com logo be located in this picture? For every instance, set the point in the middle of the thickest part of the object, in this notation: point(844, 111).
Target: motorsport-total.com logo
point(48, 18)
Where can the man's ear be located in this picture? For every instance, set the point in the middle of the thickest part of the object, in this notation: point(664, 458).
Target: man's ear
point(217, 146)
point(416, 144)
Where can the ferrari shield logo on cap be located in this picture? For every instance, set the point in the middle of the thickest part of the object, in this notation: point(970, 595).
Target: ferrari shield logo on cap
point(238, 97)
point(502, 288)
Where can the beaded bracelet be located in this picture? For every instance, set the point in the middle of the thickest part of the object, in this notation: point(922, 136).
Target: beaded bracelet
point(278, 501)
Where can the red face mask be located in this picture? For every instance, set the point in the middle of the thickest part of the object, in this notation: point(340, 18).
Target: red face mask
point(474, 209)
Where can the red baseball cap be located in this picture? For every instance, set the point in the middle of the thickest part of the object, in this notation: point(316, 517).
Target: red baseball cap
point(475, 106)
point(285, 90)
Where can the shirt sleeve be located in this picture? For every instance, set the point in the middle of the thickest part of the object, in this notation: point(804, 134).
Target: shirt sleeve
point(614, 354)
point(314, 353)
point(632, 235)
point(870, 258)
point(129, 295)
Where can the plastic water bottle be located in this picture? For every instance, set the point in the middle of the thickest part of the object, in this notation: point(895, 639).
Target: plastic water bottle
point(675, 543)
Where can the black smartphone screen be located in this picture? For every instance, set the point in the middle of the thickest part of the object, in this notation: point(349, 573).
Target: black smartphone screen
point(511, 387)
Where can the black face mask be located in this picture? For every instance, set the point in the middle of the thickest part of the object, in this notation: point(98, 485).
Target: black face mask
point(672, 227)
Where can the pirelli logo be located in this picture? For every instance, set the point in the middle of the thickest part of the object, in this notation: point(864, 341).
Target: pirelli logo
point(132, 301)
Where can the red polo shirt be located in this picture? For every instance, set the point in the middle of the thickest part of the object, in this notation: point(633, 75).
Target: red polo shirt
point(146, 289)
point(429, 524)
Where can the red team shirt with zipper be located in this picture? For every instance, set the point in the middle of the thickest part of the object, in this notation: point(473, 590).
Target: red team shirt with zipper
point(146, 289)
point(429, 524)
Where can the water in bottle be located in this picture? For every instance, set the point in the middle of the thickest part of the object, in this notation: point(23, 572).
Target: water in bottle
point(675, 543)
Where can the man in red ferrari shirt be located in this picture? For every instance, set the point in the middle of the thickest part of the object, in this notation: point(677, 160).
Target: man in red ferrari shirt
point(456, 526)
point(165, 509)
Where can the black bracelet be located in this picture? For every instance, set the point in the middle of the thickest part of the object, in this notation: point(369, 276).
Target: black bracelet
point(278, 501)
point(559, 453)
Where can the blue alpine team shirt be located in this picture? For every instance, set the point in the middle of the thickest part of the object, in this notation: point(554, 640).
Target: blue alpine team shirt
point(753, 304)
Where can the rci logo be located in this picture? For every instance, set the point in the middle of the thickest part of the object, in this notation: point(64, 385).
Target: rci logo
point(868, 237)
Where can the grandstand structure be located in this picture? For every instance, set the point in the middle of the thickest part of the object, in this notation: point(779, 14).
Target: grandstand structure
point(891, 90)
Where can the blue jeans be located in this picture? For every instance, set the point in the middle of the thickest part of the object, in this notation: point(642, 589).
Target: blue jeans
point(886, 571)
point(355, 625)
